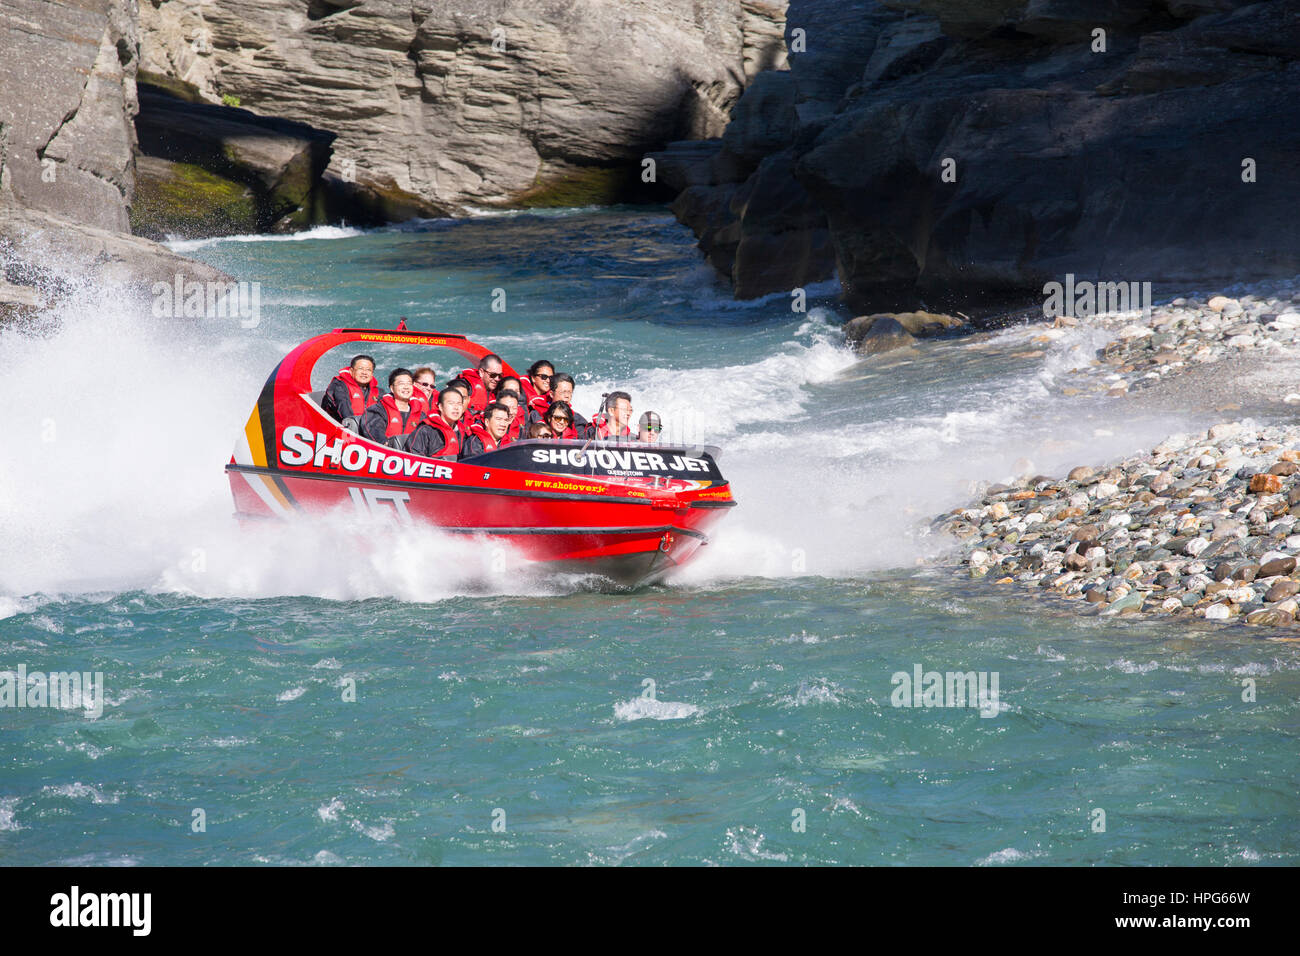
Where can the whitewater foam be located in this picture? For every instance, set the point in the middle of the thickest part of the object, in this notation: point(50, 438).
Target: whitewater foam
point(643, 708)
point(836, 461)
point(307, 235)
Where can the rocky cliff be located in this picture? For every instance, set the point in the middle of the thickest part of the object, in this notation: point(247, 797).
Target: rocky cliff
point(67, 103)
point(961, 153)
point(443, 105)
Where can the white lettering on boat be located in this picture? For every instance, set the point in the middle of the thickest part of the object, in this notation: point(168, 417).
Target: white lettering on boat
point(297, 445)
point(630, 462)
point(297, 449)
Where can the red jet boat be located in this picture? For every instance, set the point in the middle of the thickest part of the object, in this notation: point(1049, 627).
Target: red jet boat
point(630, 511)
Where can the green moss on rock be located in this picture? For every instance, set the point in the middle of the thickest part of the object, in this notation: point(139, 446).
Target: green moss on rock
point(170, 84)
point(182, 200)
point(580, 186)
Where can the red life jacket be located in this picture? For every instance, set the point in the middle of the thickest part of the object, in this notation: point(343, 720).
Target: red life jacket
point(518, 426)
point(531, 394)
point(569, 432)
point(604, 430)
point(430, 402)
point(395, 426)
point(541, 404)
point(362, 396)
point(479, 430)
point(480, 396)
point(465, 424)
point(450, 433)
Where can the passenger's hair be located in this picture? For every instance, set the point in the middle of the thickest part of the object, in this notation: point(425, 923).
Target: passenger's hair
point(539, 365)
point(359, 358)
point(482, 363)
point(392, 376)
point(537, 429)
point(461, 385)
point(493, 407)
point(560, 378)
point(612, 398)
point(447, 393)
point(503, 387)
point(512, 393)
point(424, 368)
point(560, 407)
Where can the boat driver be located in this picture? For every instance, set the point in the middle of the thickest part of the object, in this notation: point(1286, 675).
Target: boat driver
point(352, 390)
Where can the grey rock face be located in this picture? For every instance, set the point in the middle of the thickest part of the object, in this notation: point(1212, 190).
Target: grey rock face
point(67, 99)
point(476, 102)
point(1029, 117)
point(67, 174)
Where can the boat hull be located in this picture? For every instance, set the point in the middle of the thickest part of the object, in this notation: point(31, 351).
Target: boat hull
point(630, 541)
point(629, 511)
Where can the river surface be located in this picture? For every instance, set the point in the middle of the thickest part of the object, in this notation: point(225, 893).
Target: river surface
point(329, 693)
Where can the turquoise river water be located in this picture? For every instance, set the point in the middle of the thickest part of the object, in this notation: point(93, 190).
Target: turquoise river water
point(743, 712)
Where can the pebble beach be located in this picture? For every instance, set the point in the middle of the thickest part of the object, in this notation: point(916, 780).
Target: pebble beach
point(1201, 526)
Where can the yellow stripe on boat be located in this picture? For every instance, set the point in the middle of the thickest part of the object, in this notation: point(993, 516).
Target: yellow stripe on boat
point(256, 444)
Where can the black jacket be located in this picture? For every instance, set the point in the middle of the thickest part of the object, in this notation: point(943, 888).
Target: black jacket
point(427, 441)
point(470, 446)
point(337, 402)
point(374, 423)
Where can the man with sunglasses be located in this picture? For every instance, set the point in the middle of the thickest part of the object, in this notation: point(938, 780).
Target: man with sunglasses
point(483, 383)
point(649, 427)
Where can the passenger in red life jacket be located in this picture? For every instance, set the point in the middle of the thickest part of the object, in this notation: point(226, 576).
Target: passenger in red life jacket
point(537, 384)
point(510, 384)
point(487, 436)
point(426, 387)
point(562, 392)
point(520, 421)
point(395, 414)
point(559, 417)
point(438, 436)
point(483, 382)
point(352, 391)
point(613, 421)
point(518, 424)
point(469, 417)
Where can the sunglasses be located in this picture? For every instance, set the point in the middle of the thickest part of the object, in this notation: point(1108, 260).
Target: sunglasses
point(654, 428)
point(492, 374)
point(544, 378)
point(562, 421)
